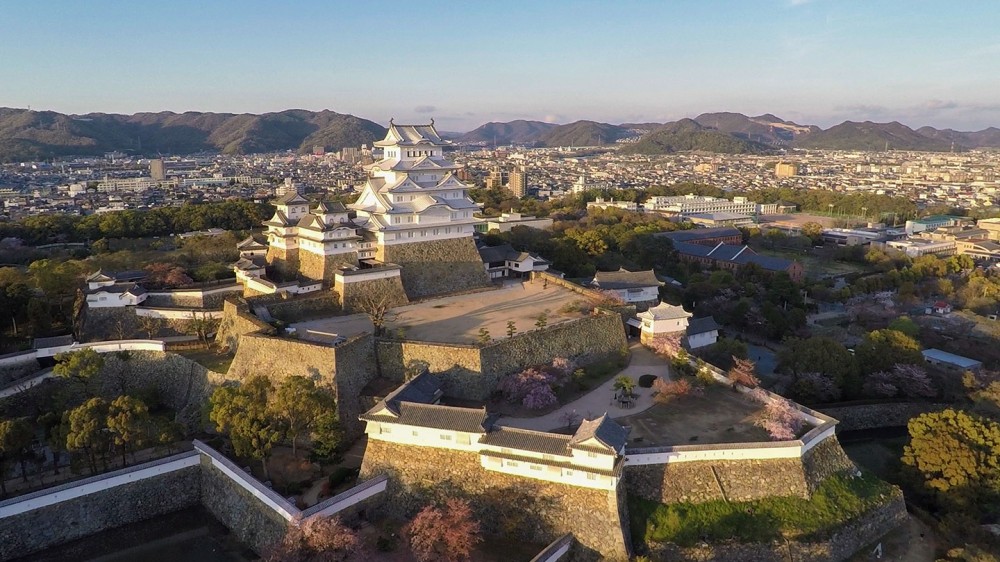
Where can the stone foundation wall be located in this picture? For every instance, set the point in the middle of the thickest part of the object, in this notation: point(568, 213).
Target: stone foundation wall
point(32, 531)
point(256, 525)
point(824, 460)
point(284, 262)
point(586, 339)
point(437, 267)
point(351, 294)
point(322, 268)
point(459, 366)
point(841, 545)
point(505, 505)
point(874, 416)
point(24, 367)
point(344, 369)
point(738, 480)
point(299, 308)
point(698, 482)
point(237, 321)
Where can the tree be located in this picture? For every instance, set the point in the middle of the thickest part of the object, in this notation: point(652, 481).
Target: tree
point(511, 328)
point(376, 305)
point(779, 418)
point(906, 325)
point(444, 533)
point(664, 391)
point(543, 320)
point(86, 431)
point(742, 373)
point(822, 355)
point(484, 336)
point(200, 326)
point(81, 365)
point(16, 436)
point(883, 349)
point(242, 413)
point(318, 539)
point(815, 387)
point(539, 398)
point(813, 230)
point(129, 424)
point(902, 380)
point(326, 435)
point(624, 384)
point(298, 403)
point(667, 345)
point(956, 454)
point(150, 325)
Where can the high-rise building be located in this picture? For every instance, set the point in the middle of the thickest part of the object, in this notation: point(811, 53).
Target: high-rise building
point(496, 179)
point(518, 182)
point(785, 170)
point(156, 170)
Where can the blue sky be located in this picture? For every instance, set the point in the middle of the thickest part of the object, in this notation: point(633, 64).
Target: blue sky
point(466, 63)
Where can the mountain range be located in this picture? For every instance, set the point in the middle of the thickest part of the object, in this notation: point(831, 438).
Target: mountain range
point(32, 135)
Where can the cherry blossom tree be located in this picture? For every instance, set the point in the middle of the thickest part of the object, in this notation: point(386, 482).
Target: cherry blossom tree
point(902, 380)
point(742, 373)
point(316, 540)
point(664, 391)
point(667, 345)
point(816, 387)
point(780, 418)
point(444, 533)
point(539, 398)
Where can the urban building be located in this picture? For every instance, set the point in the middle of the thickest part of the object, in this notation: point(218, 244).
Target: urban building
point(518, 182)
point(506, 221)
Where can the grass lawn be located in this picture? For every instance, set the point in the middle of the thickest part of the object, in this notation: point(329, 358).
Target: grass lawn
point(837, 500)
point(817, 263)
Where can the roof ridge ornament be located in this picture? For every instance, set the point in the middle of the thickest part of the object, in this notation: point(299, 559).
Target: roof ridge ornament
point(390, 121)
point(432, 121)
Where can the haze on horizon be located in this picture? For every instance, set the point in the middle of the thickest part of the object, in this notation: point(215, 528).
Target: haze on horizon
point(811, 61)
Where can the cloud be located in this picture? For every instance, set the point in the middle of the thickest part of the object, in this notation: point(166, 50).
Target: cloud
point(425, 109)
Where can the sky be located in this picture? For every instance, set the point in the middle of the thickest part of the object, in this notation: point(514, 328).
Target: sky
point(466, 63)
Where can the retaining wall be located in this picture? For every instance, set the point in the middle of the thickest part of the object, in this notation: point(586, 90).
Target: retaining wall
point(209, 297)
point(237, 321)
point(874, 416)
point(506, 505)
point(436, 267)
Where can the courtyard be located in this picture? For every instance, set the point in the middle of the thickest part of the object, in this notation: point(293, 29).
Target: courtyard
point(458, 319)
point(713, 415)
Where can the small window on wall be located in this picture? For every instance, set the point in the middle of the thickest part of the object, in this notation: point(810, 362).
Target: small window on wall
point(591, 476)
point(385, 429)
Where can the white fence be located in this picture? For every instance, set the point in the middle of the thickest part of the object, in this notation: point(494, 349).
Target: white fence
point(177, 313)
point(103, 347)
point(235, 288)
point(95, 484)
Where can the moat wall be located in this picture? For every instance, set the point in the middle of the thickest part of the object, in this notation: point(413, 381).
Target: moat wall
point(505, 505)
point(436, 267)
point(50, 525)
point(853, 417)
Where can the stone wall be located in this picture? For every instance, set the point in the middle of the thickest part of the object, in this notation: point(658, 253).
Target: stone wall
point(840, 545)
point(303, 307)
point(738, 480)
point(255, 524)
point(237, 321)
point(459, 366)
point(322, 268)
point(180, 383)
point(698, 482)
point(506, 505)
point(284, 262)
point(853, 417)
point(597, 336)
point(21, 368)
point(208, 297)
point(101, 324)
point(344, 369)
point(69, 520)
point(472, 372)
point(437, 267)
point(352, 294)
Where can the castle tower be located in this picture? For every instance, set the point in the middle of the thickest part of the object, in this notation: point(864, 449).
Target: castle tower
point(327, 239)
point(282, 234)
point(420, 213)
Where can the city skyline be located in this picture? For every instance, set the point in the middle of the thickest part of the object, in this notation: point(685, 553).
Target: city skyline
point(814, 62)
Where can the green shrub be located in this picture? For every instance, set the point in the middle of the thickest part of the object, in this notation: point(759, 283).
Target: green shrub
point(340, 475)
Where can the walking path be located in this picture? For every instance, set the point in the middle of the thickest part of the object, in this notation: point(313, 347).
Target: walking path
point(599, 400)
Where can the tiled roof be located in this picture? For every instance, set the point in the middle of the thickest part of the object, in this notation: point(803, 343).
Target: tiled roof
point(733, 253)
point(666, 311)
point(527, 440)
point(624, 279)
point(250, 242)
point(292, 198)
point(700, 234)
point(606, 431)
point(468, 420)
point(497, 253)
point(330, 207)
point(701, 325)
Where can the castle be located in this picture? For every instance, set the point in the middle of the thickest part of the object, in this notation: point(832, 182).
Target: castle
point(413, 222)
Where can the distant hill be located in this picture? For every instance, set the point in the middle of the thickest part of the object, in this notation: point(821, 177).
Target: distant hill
point(688, 135)
point(987, 138)
point(514, 132)
point(29, 135)
point(766, 129)
point(851, 135)
point(583, 133)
